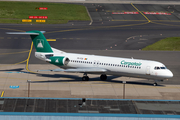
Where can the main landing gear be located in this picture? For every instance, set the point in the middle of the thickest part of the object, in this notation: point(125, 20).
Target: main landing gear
point(86, 78)
point(103, 77)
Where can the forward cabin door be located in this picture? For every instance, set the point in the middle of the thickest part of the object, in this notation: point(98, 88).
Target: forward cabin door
point(148, 70)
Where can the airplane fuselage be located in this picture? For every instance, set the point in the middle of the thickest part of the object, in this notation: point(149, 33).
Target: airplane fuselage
point(113, 65)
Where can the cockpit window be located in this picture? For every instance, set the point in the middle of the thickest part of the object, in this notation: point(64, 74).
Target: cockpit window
point(158, 68)
point(163, 67)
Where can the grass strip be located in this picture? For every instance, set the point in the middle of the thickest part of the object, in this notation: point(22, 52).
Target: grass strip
point(167, 44)
point(14, 12)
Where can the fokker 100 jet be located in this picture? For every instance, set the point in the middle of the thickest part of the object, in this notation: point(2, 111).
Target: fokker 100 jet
point(93, 64)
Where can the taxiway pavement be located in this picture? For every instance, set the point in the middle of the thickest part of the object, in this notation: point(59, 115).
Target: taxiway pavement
point(109, 38)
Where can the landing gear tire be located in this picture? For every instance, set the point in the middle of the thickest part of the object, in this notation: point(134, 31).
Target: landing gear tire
point(85, 78)
point(103, 77)
point(155, 84)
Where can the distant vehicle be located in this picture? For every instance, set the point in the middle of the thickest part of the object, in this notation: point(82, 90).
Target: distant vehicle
point(93, 64)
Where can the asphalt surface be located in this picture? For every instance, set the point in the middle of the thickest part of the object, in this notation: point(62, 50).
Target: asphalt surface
point(119, 12)
point(102, 37)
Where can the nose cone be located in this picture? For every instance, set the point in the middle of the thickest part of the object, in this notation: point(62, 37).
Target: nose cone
point(169, 74)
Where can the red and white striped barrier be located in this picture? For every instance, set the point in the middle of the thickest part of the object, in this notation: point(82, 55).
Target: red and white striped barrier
point(156, 13)
point(125, 12)
point(38, 17)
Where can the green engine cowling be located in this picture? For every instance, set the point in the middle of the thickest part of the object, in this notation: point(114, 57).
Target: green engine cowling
point(59, 60)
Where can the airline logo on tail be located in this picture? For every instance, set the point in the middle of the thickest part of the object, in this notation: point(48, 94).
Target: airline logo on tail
point(40, 43)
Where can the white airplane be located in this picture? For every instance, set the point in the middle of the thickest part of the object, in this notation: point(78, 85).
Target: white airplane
point(93, 64)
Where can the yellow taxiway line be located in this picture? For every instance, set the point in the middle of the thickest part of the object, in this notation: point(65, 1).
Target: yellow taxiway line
point(2, 94)
point(141, 13)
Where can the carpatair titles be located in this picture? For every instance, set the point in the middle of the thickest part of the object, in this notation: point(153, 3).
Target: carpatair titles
point(130, 63)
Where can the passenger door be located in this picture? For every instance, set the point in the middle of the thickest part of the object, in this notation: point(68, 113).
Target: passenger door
point(148, 70)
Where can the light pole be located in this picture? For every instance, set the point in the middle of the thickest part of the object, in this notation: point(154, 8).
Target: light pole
point(28, 81)
point(124, 82)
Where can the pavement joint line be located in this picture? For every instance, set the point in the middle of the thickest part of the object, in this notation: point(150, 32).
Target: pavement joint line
point(2, 94)
point(141, 13)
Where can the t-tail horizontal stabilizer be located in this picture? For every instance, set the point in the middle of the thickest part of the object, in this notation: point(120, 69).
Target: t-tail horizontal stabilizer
point(25, 33)
point(38, 39)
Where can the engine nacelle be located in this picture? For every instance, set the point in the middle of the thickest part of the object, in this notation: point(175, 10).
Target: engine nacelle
point(59, 60)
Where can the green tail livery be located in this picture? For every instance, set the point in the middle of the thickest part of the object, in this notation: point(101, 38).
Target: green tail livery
point(40, 42)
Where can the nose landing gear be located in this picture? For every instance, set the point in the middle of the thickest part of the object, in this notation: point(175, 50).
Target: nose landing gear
point(85, 77)
point(155, 84)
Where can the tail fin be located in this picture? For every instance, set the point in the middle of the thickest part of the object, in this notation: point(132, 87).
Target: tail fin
point(39, 41)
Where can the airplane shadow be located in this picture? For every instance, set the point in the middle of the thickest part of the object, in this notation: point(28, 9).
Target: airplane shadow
point(76, 78)
point(14, 70)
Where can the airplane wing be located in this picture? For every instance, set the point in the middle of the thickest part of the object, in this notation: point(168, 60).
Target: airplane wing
point(79, 70)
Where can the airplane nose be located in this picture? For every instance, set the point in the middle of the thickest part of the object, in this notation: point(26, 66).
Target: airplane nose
point(169, 74)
